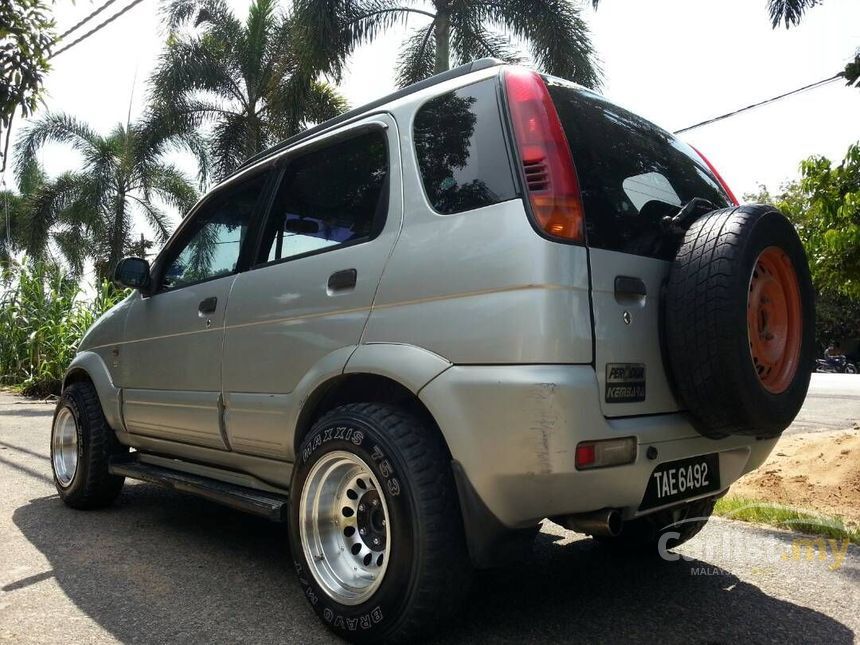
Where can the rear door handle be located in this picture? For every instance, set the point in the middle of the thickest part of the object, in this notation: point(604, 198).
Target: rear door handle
point(341, 280)
point(629, 288)
point(208, 305)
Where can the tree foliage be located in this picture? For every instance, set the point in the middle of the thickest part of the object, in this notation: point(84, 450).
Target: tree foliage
point(86, 214)
point(452, 31)
point(241, 80)
point(26, 36)
point(43, 317)
point(824, 205)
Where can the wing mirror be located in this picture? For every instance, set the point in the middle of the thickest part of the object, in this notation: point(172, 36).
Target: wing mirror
point(133, 273)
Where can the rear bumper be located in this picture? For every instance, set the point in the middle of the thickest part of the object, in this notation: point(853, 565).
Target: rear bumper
point(513, 430)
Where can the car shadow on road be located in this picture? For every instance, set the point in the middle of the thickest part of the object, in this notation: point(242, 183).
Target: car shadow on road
point(163, 567)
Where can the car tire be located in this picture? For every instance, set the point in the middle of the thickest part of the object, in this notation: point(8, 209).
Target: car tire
point(662, 530)
point(739, 322)
point(375, 528)
point(82, 444)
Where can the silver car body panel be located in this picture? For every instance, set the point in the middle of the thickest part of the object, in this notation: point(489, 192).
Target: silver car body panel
point(514, 430)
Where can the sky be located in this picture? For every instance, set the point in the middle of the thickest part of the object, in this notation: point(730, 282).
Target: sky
point(675, 62)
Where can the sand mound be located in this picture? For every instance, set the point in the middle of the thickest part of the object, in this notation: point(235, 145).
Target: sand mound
point(817, 471)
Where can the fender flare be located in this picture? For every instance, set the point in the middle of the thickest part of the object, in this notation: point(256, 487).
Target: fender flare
point(93, 367)
point(410, 366)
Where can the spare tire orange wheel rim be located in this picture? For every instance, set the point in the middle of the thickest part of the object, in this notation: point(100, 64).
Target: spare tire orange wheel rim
point(774, 319)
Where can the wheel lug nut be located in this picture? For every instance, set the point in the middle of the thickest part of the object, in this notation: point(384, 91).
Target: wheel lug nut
point(376, 540)
point(361, 507)
point(361, 532)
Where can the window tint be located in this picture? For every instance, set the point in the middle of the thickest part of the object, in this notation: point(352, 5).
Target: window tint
point(329, 197)
point(631, 173)
point(218, 231)
point(461, 150)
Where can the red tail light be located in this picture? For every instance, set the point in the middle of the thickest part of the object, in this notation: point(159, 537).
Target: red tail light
point(544, 152)
point(719, 177)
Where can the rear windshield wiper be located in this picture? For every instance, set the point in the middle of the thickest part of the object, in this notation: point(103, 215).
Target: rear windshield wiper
point(680, 222)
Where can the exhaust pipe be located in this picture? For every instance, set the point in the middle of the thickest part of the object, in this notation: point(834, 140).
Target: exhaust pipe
point(606, 522)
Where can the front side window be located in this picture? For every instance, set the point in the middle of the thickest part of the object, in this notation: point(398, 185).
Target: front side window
point(461, 150)
point(329, 197)
point(212, 248)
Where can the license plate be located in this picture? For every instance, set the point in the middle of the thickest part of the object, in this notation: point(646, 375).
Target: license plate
point(678, 480)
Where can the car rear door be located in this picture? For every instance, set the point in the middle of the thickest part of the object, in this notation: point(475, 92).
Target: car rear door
point(632, 175)
point(335, 215)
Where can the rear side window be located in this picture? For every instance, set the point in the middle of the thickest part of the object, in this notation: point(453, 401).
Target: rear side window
point(330, 197)
point(631, 173)
point(461, 150)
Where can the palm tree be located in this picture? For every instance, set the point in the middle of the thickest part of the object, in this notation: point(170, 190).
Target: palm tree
point(14, 208)
point(457, 31)
point(241, 79)
point(89, 213)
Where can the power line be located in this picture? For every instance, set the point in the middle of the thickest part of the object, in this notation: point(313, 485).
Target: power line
point(97, 28)
point(805, 88)
point(86, 19)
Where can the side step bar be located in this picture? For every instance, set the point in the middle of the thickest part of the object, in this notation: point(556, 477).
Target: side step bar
point(268, 505)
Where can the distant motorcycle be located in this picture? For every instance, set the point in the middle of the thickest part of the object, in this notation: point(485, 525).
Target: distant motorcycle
point(835, 365)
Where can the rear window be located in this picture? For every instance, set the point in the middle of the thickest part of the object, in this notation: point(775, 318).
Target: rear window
point(631, 173)
point(461, 150)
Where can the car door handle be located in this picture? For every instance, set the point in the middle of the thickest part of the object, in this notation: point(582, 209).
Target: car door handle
point(341, 280)
point(629, 290)
point(625, 285)
point(208, 305)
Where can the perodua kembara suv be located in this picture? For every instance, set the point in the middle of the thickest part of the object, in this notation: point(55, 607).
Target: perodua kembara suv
point(415, 331)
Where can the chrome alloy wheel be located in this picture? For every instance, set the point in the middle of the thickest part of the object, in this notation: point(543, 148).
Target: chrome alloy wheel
point(344, 527)
point(64, 446)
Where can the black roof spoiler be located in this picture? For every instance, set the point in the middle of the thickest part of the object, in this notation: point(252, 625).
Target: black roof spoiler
point(462, 70)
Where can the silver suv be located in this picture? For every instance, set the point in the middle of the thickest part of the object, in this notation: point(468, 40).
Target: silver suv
point(417, 330)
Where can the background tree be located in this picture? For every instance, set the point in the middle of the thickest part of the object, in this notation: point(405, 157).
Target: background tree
point(455, 31)
point(824, 205)
point(242, 80)
point(26, 36)
point(16, 207)
point(88, 213)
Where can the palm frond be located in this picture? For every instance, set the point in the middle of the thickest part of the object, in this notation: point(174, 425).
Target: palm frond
point(171, 186)
point(56, 128)
point(228, 144)
point(788, 11)
point(558, 37)
point(417, 56)
point(470, 40)
point(50, 204)
point(328, 31)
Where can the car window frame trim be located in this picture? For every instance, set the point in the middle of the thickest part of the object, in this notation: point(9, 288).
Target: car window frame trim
point(309, 146)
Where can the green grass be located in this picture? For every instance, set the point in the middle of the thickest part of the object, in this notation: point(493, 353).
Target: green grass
point(785, 517)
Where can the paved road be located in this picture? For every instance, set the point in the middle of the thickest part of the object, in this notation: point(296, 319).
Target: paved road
point(833, 403)
point(161, 567)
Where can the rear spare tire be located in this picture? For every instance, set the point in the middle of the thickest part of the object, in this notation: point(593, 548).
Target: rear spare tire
point(740, 322)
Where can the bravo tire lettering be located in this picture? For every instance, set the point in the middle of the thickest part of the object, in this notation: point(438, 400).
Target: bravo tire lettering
point(365, 621)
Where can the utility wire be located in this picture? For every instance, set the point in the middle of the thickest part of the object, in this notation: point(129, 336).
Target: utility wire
point(86, 19)
point(97, 28)
point(805, 88)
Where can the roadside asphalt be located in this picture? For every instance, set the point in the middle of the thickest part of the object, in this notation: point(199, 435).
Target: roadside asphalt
point(162, 567)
